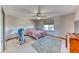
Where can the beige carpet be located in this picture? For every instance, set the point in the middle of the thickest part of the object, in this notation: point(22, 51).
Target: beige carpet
point(13, 46)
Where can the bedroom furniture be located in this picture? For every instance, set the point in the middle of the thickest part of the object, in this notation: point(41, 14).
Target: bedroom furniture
point(36, 33)
point(73, 44)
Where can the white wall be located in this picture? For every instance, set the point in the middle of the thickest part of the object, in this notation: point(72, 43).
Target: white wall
point(67, 23)
point(40, 24)
point(77, 14)
point(58, 26)
point(64, 24)
point(77, 26)
point(77, 20)
point(13, 23)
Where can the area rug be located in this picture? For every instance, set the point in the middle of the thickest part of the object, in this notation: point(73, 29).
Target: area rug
point(48, 45)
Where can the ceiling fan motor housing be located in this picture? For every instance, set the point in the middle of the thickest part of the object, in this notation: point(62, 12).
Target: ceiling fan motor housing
point(38, 14)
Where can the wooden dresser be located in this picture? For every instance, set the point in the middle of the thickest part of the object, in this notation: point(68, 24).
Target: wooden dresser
point(74, 43)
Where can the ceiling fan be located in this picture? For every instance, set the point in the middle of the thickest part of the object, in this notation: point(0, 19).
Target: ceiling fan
point(39, 15)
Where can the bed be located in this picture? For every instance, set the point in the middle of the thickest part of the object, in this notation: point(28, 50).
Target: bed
point(36, 33)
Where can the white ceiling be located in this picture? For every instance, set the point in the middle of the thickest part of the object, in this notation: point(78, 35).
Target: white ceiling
point(26, 11)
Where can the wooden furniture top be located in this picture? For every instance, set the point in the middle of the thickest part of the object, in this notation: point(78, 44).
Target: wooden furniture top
point(72, 36)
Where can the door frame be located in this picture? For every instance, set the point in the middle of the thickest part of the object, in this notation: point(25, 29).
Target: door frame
point(3, 29)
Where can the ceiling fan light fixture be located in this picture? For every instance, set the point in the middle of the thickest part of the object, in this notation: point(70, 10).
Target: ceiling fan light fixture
point(38, 17)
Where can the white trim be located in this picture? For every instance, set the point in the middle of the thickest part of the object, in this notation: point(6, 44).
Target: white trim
point(68, 43)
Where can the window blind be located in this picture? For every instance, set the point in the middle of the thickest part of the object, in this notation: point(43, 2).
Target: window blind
point(48, 22)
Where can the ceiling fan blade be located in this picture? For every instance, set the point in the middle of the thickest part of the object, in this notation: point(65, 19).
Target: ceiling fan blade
point(51, 12)
point(32, 16)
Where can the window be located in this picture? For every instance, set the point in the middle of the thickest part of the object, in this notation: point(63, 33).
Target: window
point(49, 27)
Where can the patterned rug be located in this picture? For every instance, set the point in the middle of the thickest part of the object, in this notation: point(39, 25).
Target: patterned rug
point(48, 45)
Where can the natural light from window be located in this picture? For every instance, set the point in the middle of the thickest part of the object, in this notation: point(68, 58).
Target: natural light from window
point(49, 27)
